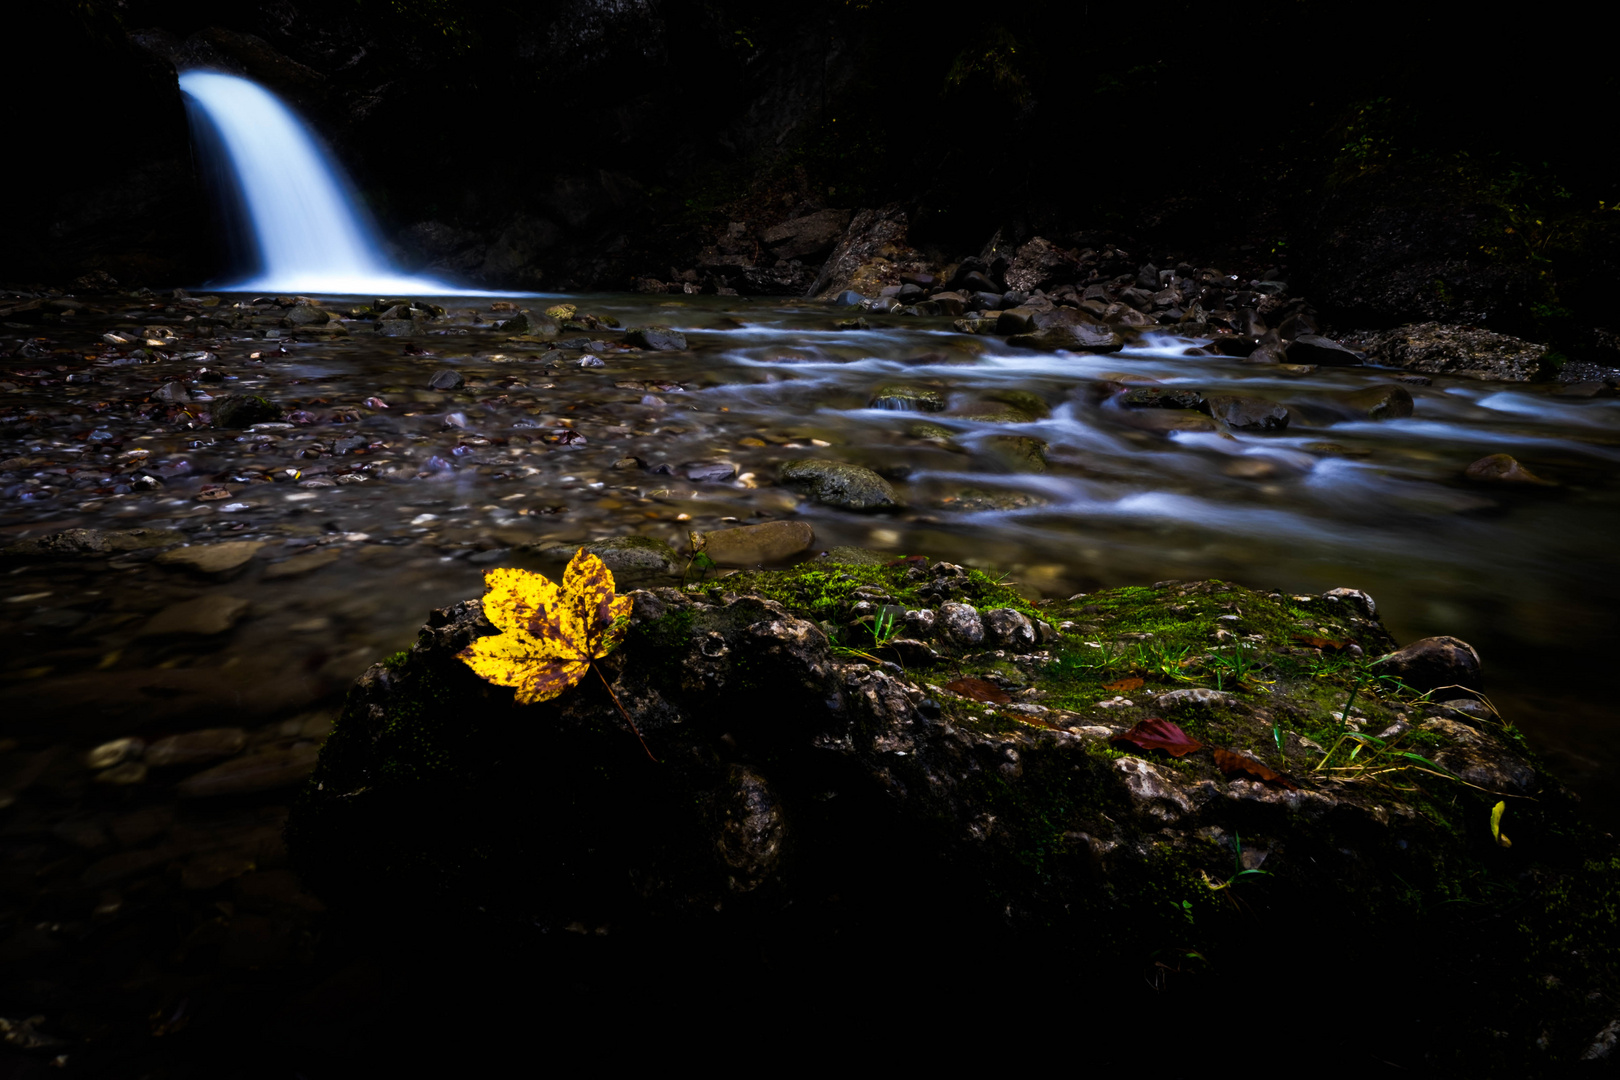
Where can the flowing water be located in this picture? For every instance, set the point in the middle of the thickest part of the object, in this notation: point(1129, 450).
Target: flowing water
point(301, 224)
point(380, 497)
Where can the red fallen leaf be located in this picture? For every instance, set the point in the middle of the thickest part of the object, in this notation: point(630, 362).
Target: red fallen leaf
point(1128, 683)
point(566, 437)
point(1234, 764)
point(375, 403)
point(979, 690)
point(1155, 733)
point(1320, 642)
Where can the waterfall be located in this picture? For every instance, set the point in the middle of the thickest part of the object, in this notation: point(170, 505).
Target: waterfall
point(291, 200)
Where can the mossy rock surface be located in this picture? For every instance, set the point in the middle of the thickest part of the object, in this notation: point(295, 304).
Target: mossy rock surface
point(797, 759)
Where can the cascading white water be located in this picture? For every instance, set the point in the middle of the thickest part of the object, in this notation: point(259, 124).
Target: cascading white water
point(309, 236)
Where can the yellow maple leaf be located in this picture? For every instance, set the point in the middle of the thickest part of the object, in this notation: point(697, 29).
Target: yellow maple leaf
point(549, 635)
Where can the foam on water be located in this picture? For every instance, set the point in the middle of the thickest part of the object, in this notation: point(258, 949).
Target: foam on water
point(308, 233)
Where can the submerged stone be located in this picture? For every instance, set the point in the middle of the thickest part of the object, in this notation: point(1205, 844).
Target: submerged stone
point(838, 483)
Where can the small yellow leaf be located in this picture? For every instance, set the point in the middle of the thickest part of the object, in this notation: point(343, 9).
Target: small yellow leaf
point(1496, 824)
point(549, 635)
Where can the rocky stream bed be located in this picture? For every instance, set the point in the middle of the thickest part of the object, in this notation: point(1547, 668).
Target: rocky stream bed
point(219, 509)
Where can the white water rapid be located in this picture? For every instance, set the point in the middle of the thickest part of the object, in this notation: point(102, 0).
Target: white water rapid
point(309, 236)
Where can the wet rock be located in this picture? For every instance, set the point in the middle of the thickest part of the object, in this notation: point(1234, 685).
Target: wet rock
point(863, 258)
point(709, 472)
point(1020, 453)
point(1041, 264)
point(960, 624)
point(1310, 348)
point(1384, 402)
point(72, 542)
point(446, 379)
point(264, 771)
point(396, 327)
point(857, 323)
point(1434, 662)
point(1154, 397)
point(907, 399)
point(1467, 351)
point(302, 564)
point(751, 831)
point(1248, 413)
point(529, 324)
point(212, 558)
point(243, 410)
point(115, 752)
point(196, 747)
point(751, 545)
point(1502, 469)
point(632, 557)
point(202, 617)
point(812, 236)
point(1078, 337)
point(1166, 421)
point(1010, 629)
point(305, 313)
point(660, 338)
point(838, 483)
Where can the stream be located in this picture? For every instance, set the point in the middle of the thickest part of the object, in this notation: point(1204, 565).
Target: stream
point(379, 497)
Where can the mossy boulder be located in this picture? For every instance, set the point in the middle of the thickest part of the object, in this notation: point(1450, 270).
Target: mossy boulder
point(992, 787)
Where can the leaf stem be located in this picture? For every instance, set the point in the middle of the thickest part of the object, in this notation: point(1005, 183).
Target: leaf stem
point(623, 713)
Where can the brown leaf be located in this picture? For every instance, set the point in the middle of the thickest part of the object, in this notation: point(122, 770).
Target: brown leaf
point(1130, 682)
point(1234, 764)
point(212, 493)
point(1320, 642)
point(979, 690)
point(1155, 733)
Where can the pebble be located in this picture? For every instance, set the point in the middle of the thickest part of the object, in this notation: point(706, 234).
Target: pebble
point(212, 558)
point(263, 771)
point(204, 616)
point(195, 747)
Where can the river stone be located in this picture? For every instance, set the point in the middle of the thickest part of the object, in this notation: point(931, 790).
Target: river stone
point(528, 324)
point(907, 399)
point(196, 747)
point(1010, 629)
point(1311, 348)
point(446, 379)
point(1247, 413)
point(749, 545)
point(1440, 349)
point(202, 617)
point(838, 483)
point(304, 313)
point(302, 564)
point(1384, 402)
point(1154, 397)
point(660, 338)
point(212, 558)
point(1018, 452)
point(1016, 320)
point(1233, 345)
point(709, 472)
point(855, 556)
point(1502, 469)
point(961, 624)
point(1432, 662)
point(1166, 421)
point(263, 771)
point(630, 556)
point(243, 410)
point(1078, 337)
point(92, 542)
point(396, 327)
